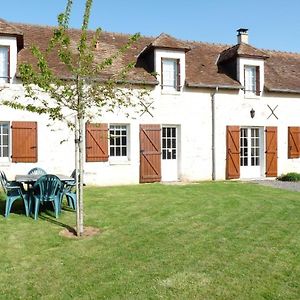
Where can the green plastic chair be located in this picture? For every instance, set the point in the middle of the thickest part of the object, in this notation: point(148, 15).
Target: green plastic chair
point(13, 191)
point(47, 188)
point(69, 191)
point(37, 171)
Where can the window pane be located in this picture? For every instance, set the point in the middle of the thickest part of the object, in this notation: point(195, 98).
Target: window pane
point(112, 151)
point(168, 155)
point(169, 73)
point(174, 132)
point(173, 143)
point(164, 154)
point(124, 151)
point(250, 78)
point(168, 143)
point(174, 154)
point(3, 64)
point(118, 140)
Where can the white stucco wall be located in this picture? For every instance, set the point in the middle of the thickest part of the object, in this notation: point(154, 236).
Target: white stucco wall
point(189, 110)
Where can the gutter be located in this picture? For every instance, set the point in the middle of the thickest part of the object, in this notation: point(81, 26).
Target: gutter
point(283, 90)
point(214, 86)
point(213, 134)
point(101, 80)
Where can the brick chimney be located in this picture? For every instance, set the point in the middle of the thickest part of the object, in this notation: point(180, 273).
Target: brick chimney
point(242, 36)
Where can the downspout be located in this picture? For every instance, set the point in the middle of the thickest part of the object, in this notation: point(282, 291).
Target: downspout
point(213, 134)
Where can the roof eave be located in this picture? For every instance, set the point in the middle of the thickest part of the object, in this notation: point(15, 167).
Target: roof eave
point(281, 90)
point(101, 80)
point(220, 86)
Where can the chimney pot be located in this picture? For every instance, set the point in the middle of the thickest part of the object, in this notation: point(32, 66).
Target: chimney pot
point(242, 36)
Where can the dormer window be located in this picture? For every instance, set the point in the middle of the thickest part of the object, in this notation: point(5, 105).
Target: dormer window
point(170, 74)
point(251, 80)
point(4, 64)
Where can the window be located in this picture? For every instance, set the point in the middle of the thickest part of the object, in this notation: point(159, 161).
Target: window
point(4, 140)
point(118, 137)
point(170, 74)
point(250, 147)
point(251, 80)
point(169, 142)
point(4, 64)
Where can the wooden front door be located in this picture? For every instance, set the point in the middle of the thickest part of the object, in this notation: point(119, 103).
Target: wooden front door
point(150, 153)
point(271, 151)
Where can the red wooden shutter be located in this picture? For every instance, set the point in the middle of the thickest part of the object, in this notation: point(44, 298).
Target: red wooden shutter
point(271, 151)
point(178, 75)
point(150, 153)
point(24, 142)
point(257, 81)
point(96, 139)
point(162, 73)
point(293, 142)
point(233, 152)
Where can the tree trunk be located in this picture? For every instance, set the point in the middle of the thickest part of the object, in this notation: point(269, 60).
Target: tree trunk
point(79, 174)
point(81, 158)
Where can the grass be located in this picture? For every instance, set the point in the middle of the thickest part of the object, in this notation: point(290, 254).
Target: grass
point(223, 240)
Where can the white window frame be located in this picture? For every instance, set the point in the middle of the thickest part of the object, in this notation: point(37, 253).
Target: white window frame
point(113, 135)
point(8, 144)
point(168, 83)
point(250, 80)
point(251, 150)
point(5, 68)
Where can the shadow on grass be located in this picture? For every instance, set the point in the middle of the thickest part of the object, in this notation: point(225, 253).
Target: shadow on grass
point(49, 218)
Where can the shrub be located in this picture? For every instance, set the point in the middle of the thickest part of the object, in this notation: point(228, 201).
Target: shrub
point(292, 176)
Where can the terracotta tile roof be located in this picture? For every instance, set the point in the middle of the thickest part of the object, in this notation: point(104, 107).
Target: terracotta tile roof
point(241, 50)
point(202, 69)
point(109, 43)
point(6, 28)
point(166, 41)
point(282, 70)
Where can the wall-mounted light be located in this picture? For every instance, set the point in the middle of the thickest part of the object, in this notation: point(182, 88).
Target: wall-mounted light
point(252, 113)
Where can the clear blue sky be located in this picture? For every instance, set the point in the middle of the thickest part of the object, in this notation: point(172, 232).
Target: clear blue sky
point(273, 24)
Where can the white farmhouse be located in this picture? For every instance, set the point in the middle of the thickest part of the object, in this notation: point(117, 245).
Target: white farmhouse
point(219, 112)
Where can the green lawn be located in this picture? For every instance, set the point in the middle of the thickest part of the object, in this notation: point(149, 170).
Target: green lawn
point(223, 240)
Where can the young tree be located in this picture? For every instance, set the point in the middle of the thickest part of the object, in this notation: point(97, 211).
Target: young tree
point(84, 93)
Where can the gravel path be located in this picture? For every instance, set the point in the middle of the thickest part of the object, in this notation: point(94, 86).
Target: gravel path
point(286, 185)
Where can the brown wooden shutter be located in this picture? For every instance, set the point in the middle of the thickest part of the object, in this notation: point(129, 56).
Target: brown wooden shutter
point(96, 139)
point(150, 153)
point(162, 73)
point(293, 142)
point(178, 87)
point(24, 142)
point(257, 81)
point(271, 151)
point(233, 152)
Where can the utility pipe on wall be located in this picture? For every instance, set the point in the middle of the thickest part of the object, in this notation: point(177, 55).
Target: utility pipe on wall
point(213, 134)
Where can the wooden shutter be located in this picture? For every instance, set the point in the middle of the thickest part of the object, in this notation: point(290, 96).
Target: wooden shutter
point(257, 81)
point(233, 152)
point(24, 142)
point(178, 75)
point(150, 153)
point(96, 139)
point(293, 142)
point(271, 151)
